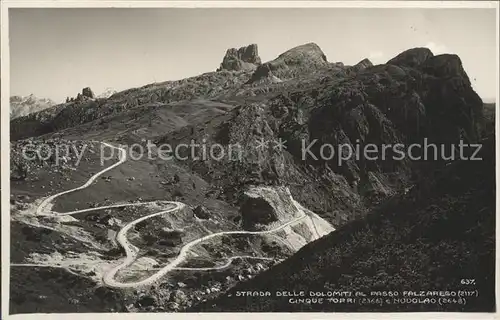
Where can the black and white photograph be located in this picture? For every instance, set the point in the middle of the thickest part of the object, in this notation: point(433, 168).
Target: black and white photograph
point(243, 157)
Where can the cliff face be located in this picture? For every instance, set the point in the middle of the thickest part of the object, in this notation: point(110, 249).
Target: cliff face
point(302, 59)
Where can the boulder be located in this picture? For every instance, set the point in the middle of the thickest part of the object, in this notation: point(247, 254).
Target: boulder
point(261, 72)
point(202, 212)
point(264, 75)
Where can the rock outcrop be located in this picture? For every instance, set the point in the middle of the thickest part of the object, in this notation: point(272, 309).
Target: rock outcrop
point(264, 208)
point(264, 75)
point(412, 57)
point(265, 205)
point(86, 95)
point(299, 60)
point(87, 92)
point(244, 58)
point(363, 64)
point(202, 212)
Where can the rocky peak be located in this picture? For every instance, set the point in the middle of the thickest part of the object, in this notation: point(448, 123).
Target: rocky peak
point(291, 63)
point(309, 53)
point(265, 205)
point(264, 74)
point(412, 57)
point(87, 92)
point(244, 58)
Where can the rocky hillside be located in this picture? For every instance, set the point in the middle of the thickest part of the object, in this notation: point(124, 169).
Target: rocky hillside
point(22, 106)
point(430, 239)
point(414, 96)
point(272, 111)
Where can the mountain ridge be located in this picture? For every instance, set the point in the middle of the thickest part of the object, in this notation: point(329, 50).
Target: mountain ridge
point(298, 98)
point(23, 105)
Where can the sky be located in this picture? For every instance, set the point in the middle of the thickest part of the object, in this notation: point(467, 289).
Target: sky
point(57, 52)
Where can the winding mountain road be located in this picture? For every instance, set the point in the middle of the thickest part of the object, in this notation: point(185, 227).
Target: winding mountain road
point(131, 251)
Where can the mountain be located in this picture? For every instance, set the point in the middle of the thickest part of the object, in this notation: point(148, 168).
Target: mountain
point(329, 103)
point(21, 106)
point(285, 188)
point(412, 244)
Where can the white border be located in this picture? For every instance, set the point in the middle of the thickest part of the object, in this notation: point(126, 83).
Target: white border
point(5, 143)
